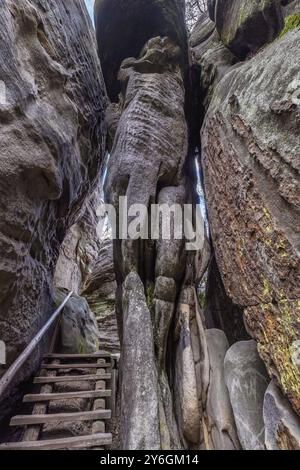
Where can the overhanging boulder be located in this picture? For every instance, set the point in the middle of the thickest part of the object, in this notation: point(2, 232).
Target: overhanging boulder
point(124, 26)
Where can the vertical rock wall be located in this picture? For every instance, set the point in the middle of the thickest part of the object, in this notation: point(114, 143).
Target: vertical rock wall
point(156, 297)
point(250, 160)
point(52, 142)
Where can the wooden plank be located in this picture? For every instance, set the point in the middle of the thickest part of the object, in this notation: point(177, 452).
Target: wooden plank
point(75, 366)
point(35, 398)
point(71, 378)
point(78, 442)
point(32, 433)
point(28, 420)
point(78, 356)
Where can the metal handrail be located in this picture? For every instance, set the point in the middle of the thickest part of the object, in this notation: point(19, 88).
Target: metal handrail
point(9, 375)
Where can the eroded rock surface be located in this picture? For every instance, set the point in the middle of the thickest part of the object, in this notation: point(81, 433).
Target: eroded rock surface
point(124, 27)
point(79, 332)
point(281, 422)
point(247, 380)
point(244, 26)
point(139, 390)
point(52, 144)
point(251, 148)
point(220, 419)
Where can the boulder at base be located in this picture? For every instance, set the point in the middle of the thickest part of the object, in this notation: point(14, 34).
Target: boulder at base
point(79, 331)
point(281, 422)
point(246, 379)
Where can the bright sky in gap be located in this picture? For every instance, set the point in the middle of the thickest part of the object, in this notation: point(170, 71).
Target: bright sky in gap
point(90, 7)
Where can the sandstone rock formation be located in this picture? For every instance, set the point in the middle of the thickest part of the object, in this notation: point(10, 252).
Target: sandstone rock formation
point(282, 425)
point(247, 380)
point(251, 151)
point(139, 394)
point(100, 293)
point(86, 267)
point(52, 145)
point(147, 166)
point(79, 332)
point(214, 118)
point(124, 26)
point(220, 419)
point(246, 26)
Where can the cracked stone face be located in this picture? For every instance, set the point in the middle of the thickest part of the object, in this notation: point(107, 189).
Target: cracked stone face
point(51, 143)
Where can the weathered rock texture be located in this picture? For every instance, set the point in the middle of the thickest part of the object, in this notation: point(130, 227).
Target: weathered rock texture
point(221, 425)
point(220, 312)
point(245, 26)
point(251, 148)
point(100, 292)
point(247, 380)
point(80, 248)
point(124, 26)
point(290, 7)
point(139, 400)
point(212, 56)
point(79, 332)
point(148, 167)
point(282, 425)
point(52, 142)
point(85, 266)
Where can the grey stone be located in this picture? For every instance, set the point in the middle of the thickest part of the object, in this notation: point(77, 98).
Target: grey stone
point(214, 59)
point(124, 26)
point(247, 380)
point(250, 139)
point(245, 26)
point(203, 29)
point(281, 422)
point(139, 388)
point(52, 134)
point(79, 332)
point(291, 7)
point(211, 4)
point(165, 289)
point(220, 420)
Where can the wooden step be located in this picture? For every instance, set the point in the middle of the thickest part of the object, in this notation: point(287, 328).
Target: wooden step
point(78, 442)
point(75, 366)
point(35, 398)
point(29, 420)
point(71, 378)
point(100, 355)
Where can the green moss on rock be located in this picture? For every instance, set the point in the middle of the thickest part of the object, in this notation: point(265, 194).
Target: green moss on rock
point(291, 22)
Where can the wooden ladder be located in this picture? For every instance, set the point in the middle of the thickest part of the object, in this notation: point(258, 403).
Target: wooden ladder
point(86, 377)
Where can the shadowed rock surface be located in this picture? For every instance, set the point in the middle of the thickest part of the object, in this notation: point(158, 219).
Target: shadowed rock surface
point(139, 403)
point(79, 332)
point(124, 26)
point(220, 420)
point(251, 149)
point(246, 26)
point(52, 145)
point(181, 386)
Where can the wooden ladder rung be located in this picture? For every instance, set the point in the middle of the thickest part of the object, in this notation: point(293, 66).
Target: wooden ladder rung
point(74, 366)
point(35, 398)
point(70, 378)
point(100, 355)
point(78, 442)
point(29, 420)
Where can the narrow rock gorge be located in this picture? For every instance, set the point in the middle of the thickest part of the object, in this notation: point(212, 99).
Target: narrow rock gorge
point(151, 115)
